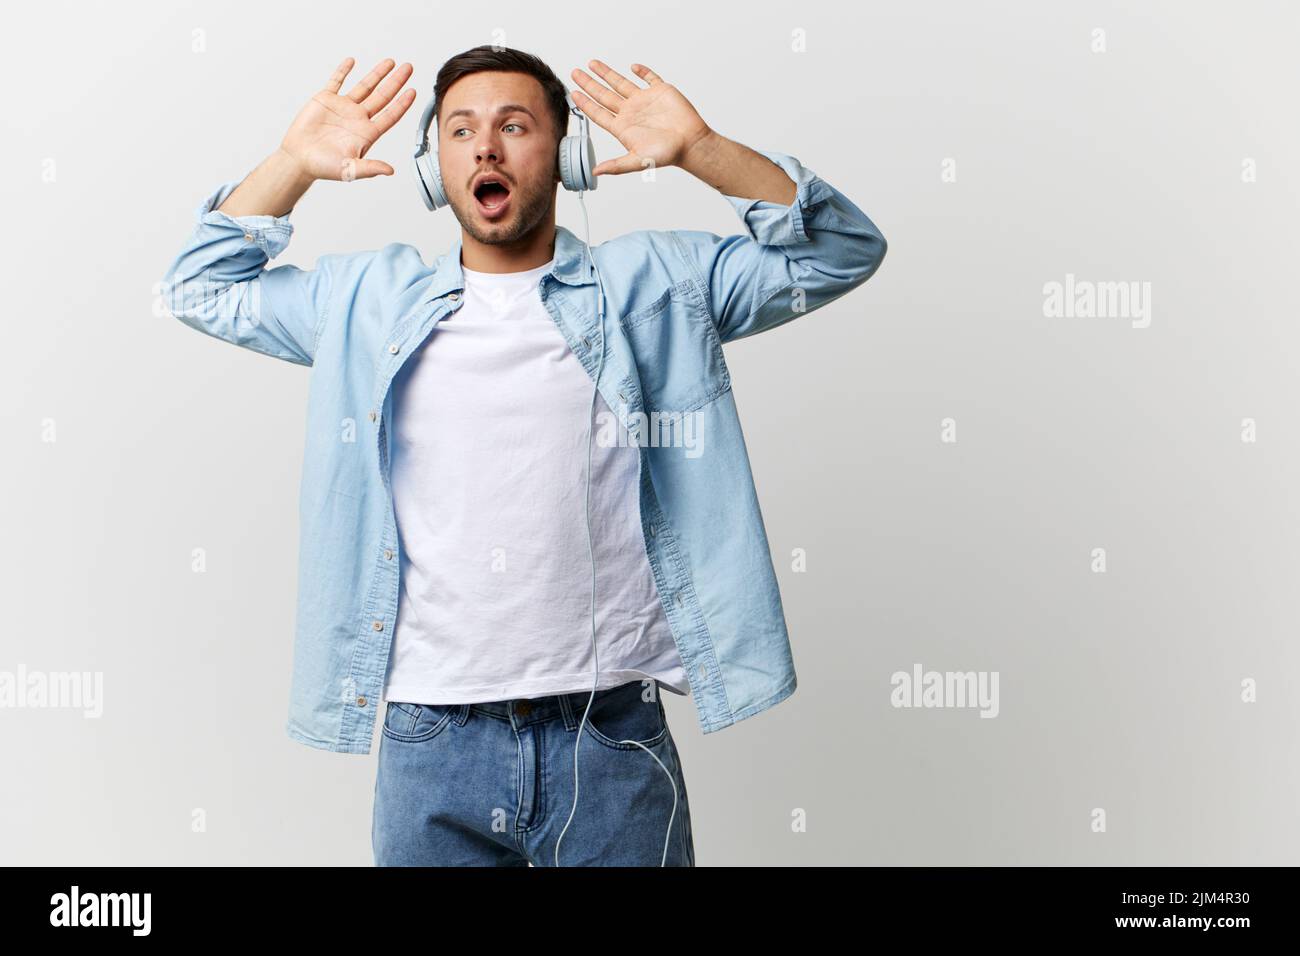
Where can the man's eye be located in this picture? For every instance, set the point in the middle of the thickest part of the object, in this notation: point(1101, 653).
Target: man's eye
point(465, 129)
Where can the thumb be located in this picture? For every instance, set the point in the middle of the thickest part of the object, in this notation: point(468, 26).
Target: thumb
point(624, 164)
point(365, 169)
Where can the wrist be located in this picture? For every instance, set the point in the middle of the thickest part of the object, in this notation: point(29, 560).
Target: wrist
point(289, 170)
point(696, 155)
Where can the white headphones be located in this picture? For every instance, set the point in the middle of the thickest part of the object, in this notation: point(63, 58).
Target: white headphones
point(577, 159)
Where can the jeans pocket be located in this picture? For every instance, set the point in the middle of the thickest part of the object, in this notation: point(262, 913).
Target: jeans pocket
point(621, 718)
point(413, 723)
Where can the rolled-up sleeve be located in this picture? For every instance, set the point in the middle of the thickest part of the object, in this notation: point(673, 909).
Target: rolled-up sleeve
point(219, 284)
point(790, 260)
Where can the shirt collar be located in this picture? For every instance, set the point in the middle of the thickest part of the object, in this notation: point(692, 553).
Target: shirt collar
point(572, 266)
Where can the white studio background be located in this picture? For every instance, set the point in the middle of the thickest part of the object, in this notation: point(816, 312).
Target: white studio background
point(999, 148)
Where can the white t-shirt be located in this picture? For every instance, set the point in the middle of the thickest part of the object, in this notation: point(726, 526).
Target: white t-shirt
point(489, 477)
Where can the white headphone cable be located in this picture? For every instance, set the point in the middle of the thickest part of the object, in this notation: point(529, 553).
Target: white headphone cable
point(592, 554)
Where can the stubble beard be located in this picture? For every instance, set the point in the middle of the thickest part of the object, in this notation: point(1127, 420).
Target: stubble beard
point(531, 206)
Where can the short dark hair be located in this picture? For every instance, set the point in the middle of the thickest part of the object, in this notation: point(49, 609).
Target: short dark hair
point(505, 60)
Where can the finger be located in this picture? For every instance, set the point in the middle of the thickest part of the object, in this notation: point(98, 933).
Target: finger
point(365, 169)
point(335, 81)
point(364, 86)
point(602, 95)
point(377, 100)
point(647, 74)
point(593, 110)
point(614, 167)
point(391, 113)
point(621, 84)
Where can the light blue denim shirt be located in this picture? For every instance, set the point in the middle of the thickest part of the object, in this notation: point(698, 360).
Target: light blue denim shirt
point(672, 299)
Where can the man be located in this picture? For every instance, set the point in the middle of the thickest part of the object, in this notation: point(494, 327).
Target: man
point(445, 562)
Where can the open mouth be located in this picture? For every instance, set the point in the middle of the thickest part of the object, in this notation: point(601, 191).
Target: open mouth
point(493, 197)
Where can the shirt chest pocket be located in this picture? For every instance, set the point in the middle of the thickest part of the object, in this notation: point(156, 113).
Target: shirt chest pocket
point(677, 351)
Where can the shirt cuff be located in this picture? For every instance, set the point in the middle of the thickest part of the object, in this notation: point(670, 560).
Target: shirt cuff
point(773, 224)
point(270, 233)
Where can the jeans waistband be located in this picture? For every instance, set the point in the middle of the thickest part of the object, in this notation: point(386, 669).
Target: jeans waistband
point(570, 707)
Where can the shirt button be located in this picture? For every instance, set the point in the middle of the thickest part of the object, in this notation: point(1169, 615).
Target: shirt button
point(373, 416)
point(677, 598)
point(704, 672)
point(454, 297)
point(388, 554)
point(586, 342)
point(361, 702)
point(393, 348)
point(378, 625)
point(248, 236)
point(654, 530)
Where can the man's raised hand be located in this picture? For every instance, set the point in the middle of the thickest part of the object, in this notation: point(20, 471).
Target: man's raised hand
point(656, 124)
point(331, 135)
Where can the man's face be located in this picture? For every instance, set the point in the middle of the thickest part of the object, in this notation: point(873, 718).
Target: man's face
point(507, 132)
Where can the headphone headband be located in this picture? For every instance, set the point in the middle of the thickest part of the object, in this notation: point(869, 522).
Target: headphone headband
point(422, 130)
point(426, 117)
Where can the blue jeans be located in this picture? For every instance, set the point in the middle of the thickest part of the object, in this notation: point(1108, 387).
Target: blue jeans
point(491, 784)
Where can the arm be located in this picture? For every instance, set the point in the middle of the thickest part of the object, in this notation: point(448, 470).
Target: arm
point(805, 243)
point(219, 283)
point(272, 189)
point(795, 256)
point(736, 170)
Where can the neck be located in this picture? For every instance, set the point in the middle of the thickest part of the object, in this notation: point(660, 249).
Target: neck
point(533, 249)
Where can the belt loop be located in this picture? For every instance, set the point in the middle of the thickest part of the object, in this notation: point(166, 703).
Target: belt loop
point(566, 711)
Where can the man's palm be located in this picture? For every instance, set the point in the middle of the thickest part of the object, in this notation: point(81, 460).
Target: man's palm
point(331, 135)
point(656, 124)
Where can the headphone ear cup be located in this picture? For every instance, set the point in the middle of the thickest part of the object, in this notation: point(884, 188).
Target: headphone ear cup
point(429, 177)
point(566, 177)
point(577, 160)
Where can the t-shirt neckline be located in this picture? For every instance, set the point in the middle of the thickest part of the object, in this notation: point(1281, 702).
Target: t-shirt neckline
point(505, 277)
